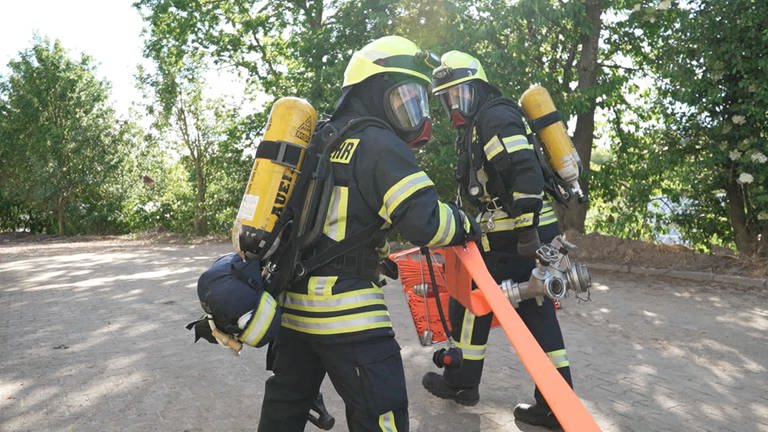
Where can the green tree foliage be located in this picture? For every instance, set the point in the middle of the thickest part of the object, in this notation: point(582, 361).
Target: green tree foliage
point(286, 48)
point(680, 83)
point(295, 48)
point(701, 139)
point(207, 137)
point(301, 47)
point(62, 149)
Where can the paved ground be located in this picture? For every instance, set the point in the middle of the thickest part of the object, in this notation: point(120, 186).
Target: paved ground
point(93, 339)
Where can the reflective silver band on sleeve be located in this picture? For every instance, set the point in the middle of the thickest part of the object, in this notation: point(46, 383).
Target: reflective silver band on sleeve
point(261, 320)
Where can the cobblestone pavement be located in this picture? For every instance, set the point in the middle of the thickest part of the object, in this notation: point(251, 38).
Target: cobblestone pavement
point(93, 339)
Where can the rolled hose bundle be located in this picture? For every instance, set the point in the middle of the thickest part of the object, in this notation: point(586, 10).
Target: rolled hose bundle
point(414, 273)
point(428, 320)
point(417, 287)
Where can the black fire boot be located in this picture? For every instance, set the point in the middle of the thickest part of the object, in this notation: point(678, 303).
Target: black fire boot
point(435, 384)
point(537, 415)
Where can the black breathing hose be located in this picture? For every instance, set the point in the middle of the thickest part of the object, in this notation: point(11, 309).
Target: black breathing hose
point(425, 252)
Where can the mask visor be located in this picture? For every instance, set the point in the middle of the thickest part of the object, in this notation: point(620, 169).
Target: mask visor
point(459, 98)
point(408, 105)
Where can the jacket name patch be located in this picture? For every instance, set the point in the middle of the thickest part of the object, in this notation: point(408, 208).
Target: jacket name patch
point(346, 150)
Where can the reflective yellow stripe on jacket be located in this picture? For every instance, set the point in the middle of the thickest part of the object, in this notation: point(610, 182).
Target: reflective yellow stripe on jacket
point(404, 189)
point(547, 215)
point(493, 147)
point(511, 144)
point(335, 225)
point(401, 191)
point(340, 324)
point(259, 324)
point(516, 143)
point(447, 228)
point(502, 222)
point(334, 302)
point(324, 313)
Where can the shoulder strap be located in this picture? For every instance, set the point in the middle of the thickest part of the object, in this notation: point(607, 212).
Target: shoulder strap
point(338, 249)
point(500, 100)
point(325, 174)
point(551, 181)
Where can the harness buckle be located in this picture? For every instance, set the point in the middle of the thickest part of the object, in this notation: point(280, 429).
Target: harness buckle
point(491, 224)
point(494, 205)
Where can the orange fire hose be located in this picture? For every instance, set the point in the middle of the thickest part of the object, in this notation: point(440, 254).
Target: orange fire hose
point(464, 265)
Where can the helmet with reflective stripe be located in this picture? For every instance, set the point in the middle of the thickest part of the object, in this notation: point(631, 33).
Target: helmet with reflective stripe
point(393, 54)
point(392, 75)
point(457, 81)
point(455, 68)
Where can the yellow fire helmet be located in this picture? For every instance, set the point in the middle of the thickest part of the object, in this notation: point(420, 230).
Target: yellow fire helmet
point(393, 54)
point(455, 82)
point(455, 68)
point(403, 103)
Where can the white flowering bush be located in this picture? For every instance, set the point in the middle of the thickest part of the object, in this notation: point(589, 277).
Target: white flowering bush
point(709, 149)
point(758, 157)
point(745, 178)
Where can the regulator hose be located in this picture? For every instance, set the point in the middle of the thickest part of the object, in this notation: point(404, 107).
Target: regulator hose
point(425, 252)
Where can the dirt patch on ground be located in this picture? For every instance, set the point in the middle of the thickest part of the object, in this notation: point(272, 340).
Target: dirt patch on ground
point(592, 248)
point(598, 248)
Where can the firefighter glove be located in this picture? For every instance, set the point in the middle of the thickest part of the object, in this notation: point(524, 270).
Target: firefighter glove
point(472, 229)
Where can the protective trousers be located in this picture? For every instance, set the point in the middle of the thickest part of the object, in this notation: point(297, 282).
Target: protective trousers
point(471, 332)
point(368, 375)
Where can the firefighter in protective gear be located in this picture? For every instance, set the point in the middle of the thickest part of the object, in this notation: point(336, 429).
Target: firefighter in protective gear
point(335, 322)
point(497, 158)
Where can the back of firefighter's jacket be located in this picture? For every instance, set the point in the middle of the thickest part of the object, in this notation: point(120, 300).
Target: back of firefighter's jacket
point(376, 180)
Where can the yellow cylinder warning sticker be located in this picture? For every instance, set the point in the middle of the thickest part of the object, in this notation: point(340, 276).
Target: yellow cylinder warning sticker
point(248, 207)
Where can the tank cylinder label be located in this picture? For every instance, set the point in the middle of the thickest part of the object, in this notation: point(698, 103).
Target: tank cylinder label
point(569, 169)
point(248, 207)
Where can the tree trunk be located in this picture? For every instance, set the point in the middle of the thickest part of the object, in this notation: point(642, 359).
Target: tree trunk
point(746, 240)
point(201, 219)
point(60, 215)
point(762, 243)
point(573, 216)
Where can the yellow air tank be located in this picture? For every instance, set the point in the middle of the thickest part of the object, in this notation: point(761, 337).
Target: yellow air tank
point(275, 170)
point(562, 155)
